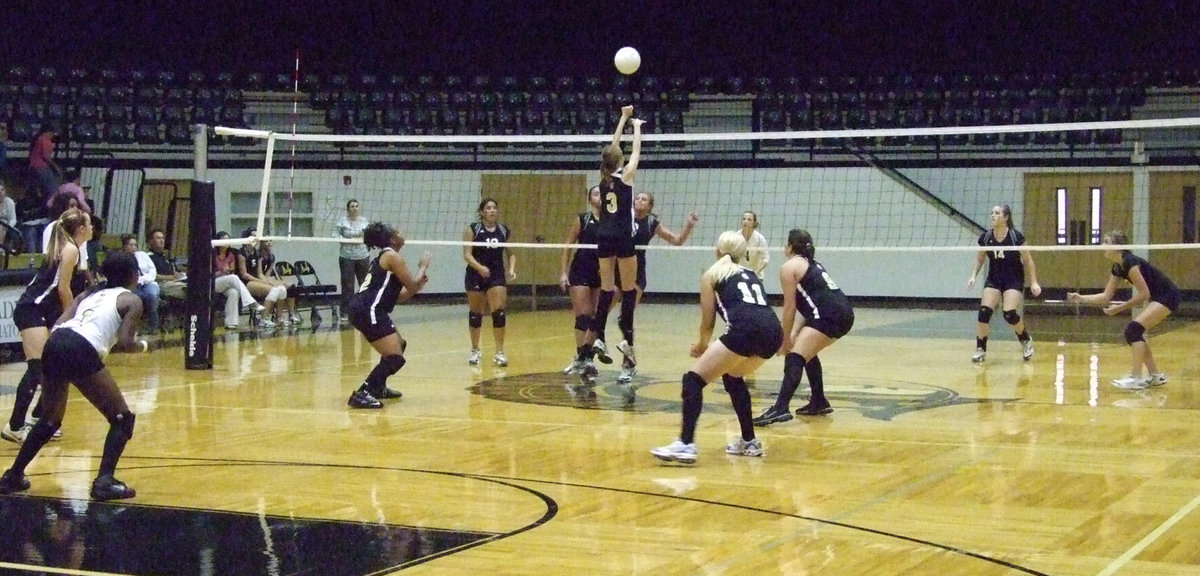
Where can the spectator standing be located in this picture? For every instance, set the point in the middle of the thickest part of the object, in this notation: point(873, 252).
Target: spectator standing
point(353, 258)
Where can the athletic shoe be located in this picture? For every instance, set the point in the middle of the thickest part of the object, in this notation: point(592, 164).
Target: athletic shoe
point(343, 320)
point(811, 409)
point(363, 399)
point(601, 351)
point(11, 482)
point(628, 371)
point(589, 371)
point(297, 320)
point(1132, 383)
point(627, 349)
point(1027, 349)
point(500, 359)
point(575, 367)
point(231, 326)
point(386, 394)
point(1157, 379)
point(266, 324)
point(676, 451)
point(108, 488)
point(15, 436)
point(743, 448)
point(771, 416)
point(255, 306)
point(473, 357)
point(979, 355)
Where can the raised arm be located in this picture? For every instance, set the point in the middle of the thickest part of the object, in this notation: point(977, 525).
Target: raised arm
point(630, 172)
point(678, 239)
point(626, 113)
point(412, 283)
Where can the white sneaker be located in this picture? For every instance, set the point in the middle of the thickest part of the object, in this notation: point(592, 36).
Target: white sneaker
point(15, 436)
point(1027, 349)
point(627, 349)
point(627, 374)
point(743, 448)
point(575, 367)
point(266, 324)
point(588, 370)
point(1157, 379)
point(473, 357)
point(500, 359)
point(1131, 383)
point(676, 451)
point(255, 306)
point(601, 351)
point(979, 355)
point(297, 320)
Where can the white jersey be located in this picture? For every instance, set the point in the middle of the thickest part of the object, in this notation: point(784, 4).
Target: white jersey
point(97, 319)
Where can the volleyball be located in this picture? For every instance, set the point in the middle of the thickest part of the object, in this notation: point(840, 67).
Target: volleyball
point(627, 60)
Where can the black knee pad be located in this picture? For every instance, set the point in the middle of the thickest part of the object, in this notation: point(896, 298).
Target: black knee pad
point(403, 345)
point(583, 322)
point(499, 320)
point(693, 386)
point(732, 383)
point(474, 319)
point(1012, 317)
point(985, 314)
point(392, 363)
point(124, 423)
point(1134, 332)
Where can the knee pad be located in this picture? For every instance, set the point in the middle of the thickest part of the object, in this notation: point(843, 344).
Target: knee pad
point(392, 363)
point(498, 318)
point(403, 345)
point(474, 319)
point(985, 314)
point(1012, 317)
point(1134, 332)
point(693, 386)
point(124, 423)
point(583, 322)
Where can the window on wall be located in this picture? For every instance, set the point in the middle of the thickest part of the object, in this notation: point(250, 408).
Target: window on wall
point(1095, 231)
point(1061, 203)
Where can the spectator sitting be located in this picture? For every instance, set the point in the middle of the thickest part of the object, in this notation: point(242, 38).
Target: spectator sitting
point(8, 212)
point(71, 186)
point(94, 246)
point(171, 282)
point(226, 280)
point(41, 161)
point(147, 286)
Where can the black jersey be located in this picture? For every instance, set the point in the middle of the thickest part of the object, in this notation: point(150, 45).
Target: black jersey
point(492, 258)
point(1003, 264)
point(45, 284)
point(616, 208)
point(251, 256)
point(588, 231)
point(643, 232)
point(817, 294)
point(1161, 288)
point(379, 290)
point(741, 298)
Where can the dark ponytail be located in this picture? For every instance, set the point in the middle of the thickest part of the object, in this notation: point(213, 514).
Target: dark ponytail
point(801, 243)
point(377, 235)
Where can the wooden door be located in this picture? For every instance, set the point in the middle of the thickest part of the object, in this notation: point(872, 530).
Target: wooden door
point(1174, 220)
point(537, 208)
point(1074, 209)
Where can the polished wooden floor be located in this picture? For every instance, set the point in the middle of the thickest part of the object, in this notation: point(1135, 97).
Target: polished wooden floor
point(929, 465)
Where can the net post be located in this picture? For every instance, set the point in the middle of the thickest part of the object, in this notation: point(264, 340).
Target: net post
point(199, 151)
point(198, 329)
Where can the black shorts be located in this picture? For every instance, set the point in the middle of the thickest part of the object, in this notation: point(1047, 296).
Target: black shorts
point(834, 322)
point(760, 339)
point(476, 283)
point(373, 324)
point(42, 315)
point(1005, 283)
point(69, 357)
point(1171, 300)
point(584, 272)
point(609, 246)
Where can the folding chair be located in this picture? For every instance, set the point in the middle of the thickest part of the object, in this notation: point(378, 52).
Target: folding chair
point(308, 287)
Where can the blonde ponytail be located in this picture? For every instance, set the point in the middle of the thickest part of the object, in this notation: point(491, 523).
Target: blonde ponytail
point(732, 248)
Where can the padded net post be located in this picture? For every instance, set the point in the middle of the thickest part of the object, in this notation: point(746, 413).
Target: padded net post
point(198, 327)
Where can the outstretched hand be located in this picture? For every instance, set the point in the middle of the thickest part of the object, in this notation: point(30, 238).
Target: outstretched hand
point(627, 111)
point(637, 122)
point(425, 259)
point(1035, 289)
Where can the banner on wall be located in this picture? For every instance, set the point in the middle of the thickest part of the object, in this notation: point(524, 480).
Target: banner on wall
point(8, 301)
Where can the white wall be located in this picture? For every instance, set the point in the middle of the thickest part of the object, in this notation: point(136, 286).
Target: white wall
point(842, 207)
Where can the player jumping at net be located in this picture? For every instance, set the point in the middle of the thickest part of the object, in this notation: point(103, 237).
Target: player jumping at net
point(614, 238)
point(388, 282)
point(1152, 288)
point(485, 281)
point(752, 336)
point(1007, 270)
point(581, 281)
point(103, 319)
point(646, 226)
point(826, 315)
